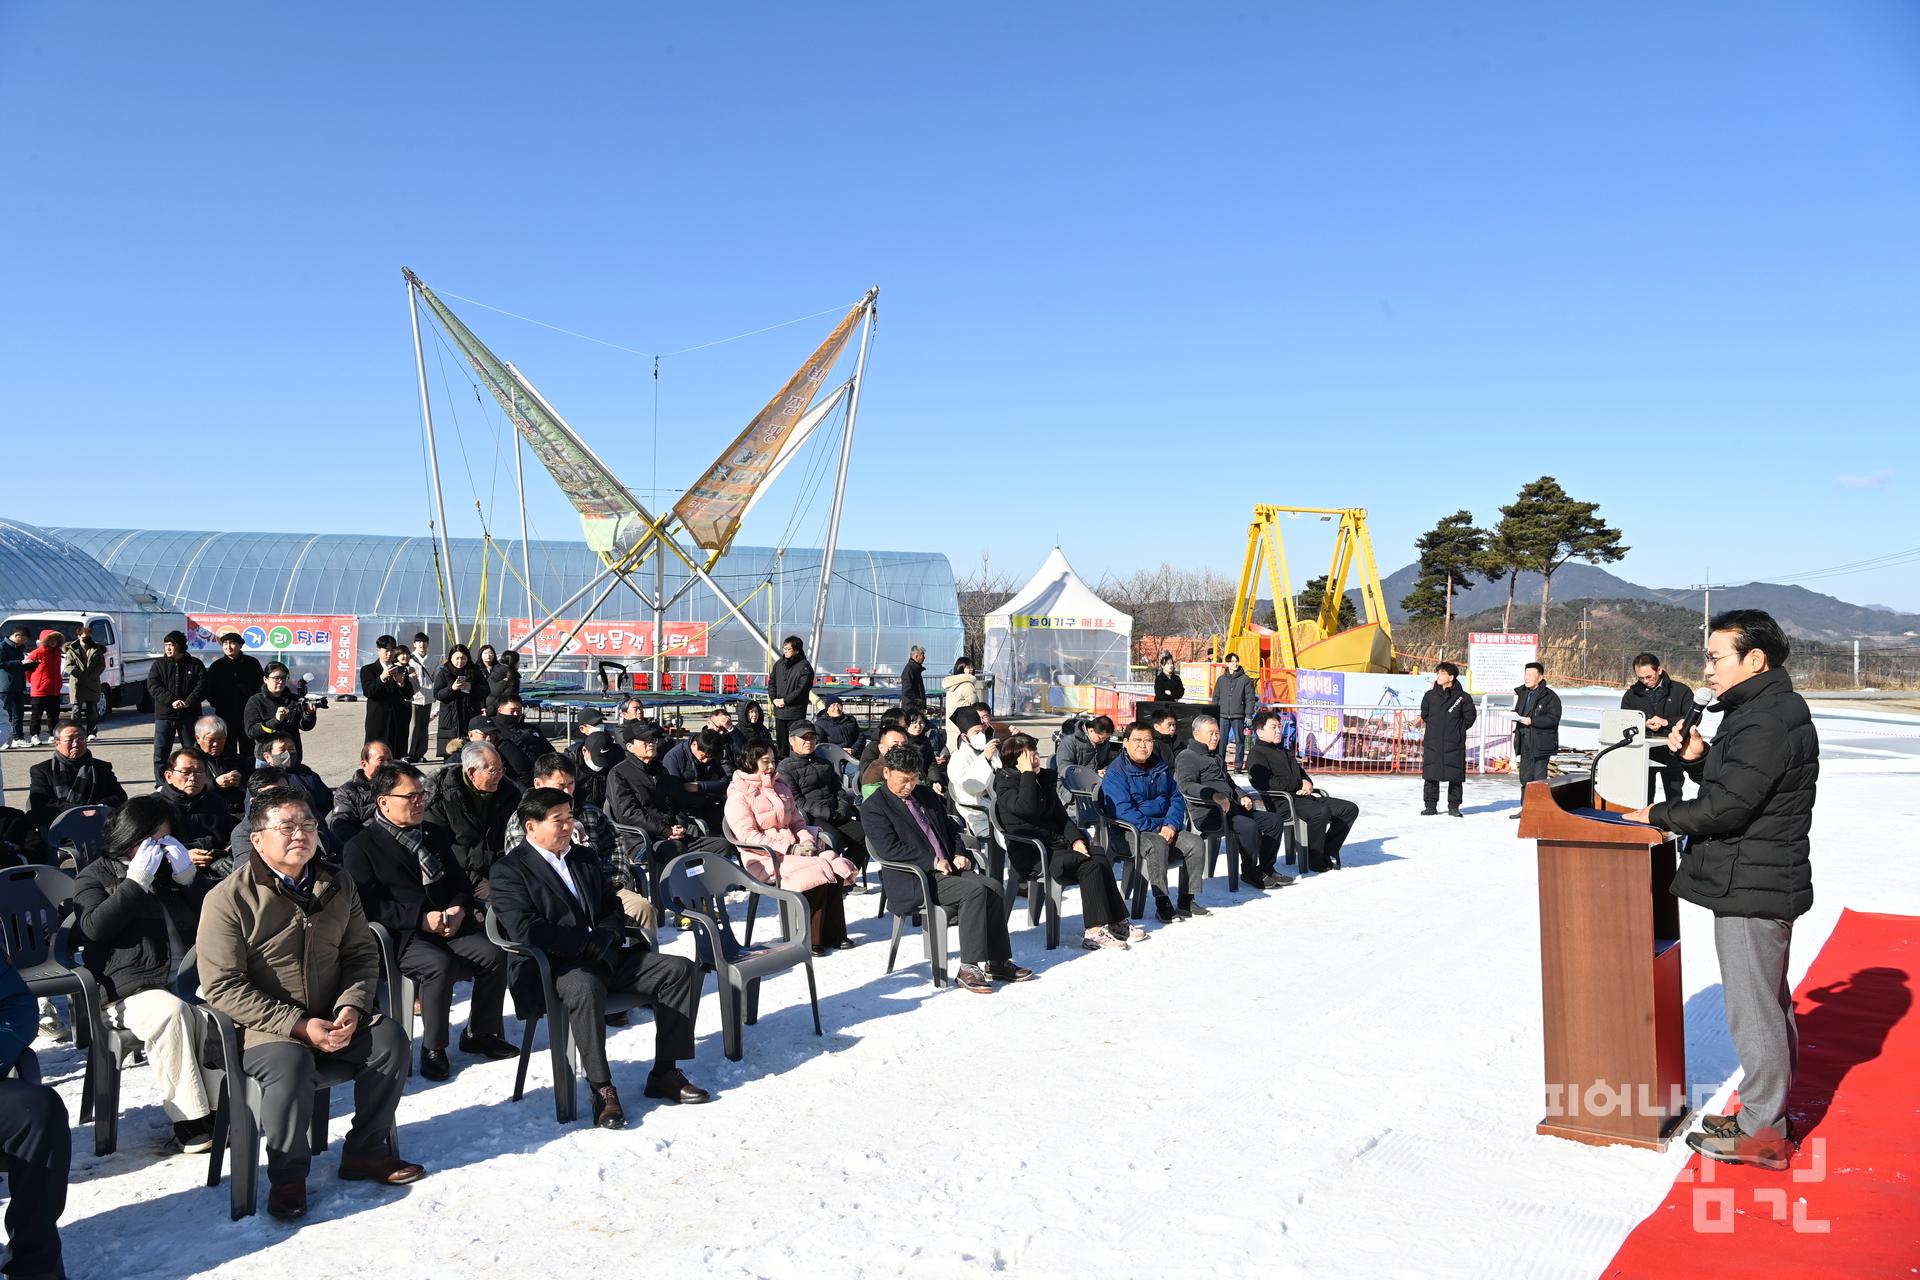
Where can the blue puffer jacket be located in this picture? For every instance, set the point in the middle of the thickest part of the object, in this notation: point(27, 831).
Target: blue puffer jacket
point(1146, 799)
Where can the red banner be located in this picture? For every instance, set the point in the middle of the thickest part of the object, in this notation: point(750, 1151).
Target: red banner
point(324, 640)
point(615, 639)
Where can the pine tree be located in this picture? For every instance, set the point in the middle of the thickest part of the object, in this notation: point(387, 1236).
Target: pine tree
point(1543, 528)
point(1310, 596)
point(1450, 556)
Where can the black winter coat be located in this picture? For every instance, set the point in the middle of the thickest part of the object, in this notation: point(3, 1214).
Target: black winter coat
point(474, 821)
point(135, 936)
point(1078, 748)
point(503, 682)
point(913, 684)
point(1748, 853)
point(842, 731)
point(458, 707)
point(389, 706)
point(816, 785)
point(387, 877)
point(1028, 804)
point(1542, 737)
point(57, 783)
point(1168, 686)
point(1203, 780)
point(1669, 700)
point(1271, 767)
point(521, 747)
point(642, 795)
point(791, 680)
point(263, 721)
point(353, 808)
point(535, 909)
point(1446, 714)
point(172, 680)
point(229, 684)
point(202, 822)
point(1235, 693)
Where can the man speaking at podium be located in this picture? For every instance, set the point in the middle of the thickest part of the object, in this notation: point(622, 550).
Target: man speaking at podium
point(1746, 860)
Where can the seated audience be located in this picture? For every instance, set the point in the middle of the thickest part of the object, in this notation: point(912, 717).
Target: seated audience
point(199, 819)
point(296, 1004)
point(35, 1142)
point(1139, 790)
point(410, 882)
point(71, 776)
point(1256, 833)
point(778, 847)
point(872, 775)
point(970, 769)
point(1090, 745)
point(697, 766)
point(839, 727)
point(1026, 798)
point(138, 906)
point(592, 830)
point(472, 801)
point(817, 787)
point(227, 765)
point(519, 743)
point(643, 799)
point(1271, 768)
point(553, 894)
point(278, 753)
point(907, 822)
point(353, 806)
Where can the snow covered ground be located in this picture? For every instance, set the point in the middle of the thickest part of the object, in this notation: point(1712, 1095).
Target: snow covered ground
point(1340, 1078)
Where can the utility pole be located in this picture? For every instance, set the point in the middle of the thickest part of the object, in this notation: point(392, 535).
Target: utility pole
point(1856, 662)
point(1706, 590)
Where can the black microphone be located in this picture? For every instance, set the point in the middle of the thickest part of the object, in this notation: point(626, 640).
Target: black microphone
point(1701, 697)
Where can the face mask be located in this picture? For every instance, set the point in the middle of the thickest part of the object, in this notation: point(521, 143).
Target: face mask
point(509, 721)
point(978, 739)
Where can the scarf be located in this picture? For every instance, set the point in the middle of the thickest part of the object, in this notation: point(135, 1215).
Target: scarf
point(414, 841)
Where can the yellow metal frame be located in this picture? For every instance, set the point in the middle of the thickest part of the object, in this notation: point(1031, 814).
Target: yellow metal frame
point(1266, 551)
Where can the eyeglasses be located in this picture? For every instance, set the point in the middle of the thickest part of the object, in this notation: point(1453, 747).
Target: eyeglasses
point(408, 797)
point(1714, 660)
point(288, 830)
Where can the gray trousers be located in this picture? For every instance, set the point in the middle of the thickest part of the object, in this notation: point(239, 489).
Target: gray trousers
point(1153, 854)
point(1753, 977)
point(1532, 768)
point(379, 1052)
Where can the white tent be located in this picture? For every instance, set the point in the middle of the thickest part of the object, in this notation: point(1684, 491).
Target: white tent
point(1052, 640)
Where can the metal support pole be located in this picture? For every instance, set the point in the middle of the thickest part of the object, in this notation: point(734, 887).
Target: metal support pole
point(560, 608)
point(526, 559)
point(660, 622)
point(840, 483)
point(433, 464)
point(585, 618)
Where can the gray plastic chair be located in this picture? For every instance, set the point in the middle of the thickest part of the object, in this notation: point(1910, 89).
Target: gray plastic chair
point(238, 1099)
point(397, 990)
point(566, 1100)
point(929, 909)
point(1298, 837)
point(695, 886)
point(1214, 833)
point(79, 827)
point(1123, 846)
point(36, 932)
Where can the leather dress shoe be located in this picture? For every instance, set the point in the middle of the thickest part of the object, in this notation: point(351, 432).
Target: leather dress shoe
point(390, 1170)
point(673, 1086)
point(607, 1112)
point(287, 1201)
point(434, 1064)
point(489, 1045)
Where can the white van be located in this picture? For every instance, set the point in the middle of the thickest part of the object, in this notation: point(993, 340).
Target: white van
point(132, 642)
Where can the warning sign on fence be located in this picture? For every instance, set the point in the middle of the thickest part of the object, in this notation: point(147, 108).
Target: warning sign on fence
point(1495, 659)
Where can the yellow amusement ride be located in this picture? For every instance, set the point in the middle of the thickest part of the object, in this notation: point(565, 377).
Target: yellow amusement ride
point(1317, 643)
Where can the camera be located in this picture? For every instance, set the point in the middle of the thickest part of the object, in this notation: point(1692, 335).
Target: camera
point(317, 702)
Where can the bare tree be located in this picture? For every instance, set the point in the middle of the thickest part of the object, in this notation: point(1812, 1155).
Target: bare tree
point(981, 591)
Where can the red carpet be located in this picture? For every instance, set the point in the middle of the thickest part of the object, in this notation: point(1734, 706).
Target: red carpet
point(1850, 1204)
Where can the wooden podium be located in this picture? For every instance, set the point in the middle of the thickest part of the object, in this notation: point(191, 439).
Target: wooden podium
point(1616, 1047)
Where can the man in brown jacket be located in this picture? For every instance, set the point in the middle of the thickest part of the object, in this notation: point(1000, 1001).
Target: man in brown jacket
point(286, 953)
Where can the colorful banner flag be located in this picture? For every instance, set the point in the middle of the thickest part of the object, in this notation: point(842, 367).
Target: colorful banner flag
point(712, 509)
point(327, 640)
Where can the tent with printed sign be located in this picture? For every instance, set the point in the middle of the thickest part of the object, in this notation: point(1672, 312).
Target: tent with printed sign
point(1053, 641)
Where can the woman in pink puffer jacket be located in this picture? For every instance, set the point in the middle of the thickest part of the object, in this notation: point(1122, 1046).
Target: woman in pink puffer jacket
point(778, 847)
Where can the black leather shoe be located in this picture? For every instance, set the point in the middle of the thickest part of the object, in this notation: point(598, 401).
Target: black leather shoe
point(1164, 912)
point(1428, 813)
point(673, 1086)
point(287, 1201)
point(434, 1064)
point(487, 1046)
point(845, 944)
point(607, 1112)
point(1007, 971)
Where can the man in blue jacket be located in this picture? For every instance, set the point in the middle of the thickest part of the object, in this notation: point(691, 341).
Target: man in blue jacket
point(35, 1144)
point(1139, 790)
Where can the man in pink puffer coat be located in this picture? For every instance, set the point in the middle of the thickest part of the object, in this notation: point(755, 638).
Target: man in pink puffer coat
point(778, 847)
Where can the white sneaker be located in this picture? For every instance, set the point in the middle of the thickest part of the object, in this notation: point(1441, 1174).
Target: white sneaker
point(94, 737)
point(52, 1025)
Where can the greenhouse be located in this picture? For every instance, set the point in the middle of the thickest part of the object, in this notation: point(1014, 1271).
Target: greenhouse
point(291, 585)
point(42, 575)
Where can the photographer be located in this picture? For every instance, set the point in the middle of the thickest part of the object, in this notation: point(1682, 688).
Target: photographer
point(277, 712)
point(387, 685)
point(461, 690)
point(1747, 861)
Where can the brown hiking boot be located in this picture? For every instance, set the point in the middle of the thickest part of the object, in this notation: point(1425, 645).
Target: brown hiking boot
point(287, 1201)
point(1768, 1149)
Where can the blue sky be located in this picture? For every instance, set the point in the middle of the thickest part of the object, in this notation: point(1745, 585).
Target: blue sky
point(1141, 266)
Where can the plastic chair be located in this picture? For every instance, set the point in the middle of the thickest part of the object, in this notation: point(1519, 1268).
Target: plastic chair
point(81, 827)
point(1044, 893)
point(238, 1099)
point(935, 916)
point(1213, 832)
point(566, 1101)
point(1133, 880)
point(696, 887)
point(1297, 837)
point(396, 988)
point(36, 932)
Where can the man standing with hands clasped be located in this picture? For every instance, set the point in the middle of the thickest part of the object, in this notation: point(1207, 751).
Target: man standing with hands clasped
point(1747, 860)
